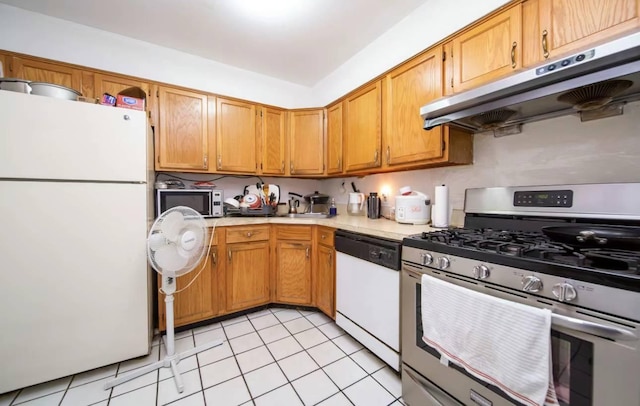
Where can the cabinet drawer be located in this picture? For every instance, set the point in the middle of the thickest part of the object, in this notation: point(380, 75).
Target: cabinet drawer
point(247, 234)
point(293, 233)
point(325, 236)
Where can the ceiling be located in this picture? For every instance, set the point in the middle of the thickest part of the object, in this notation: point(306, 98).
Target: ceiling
point(300, 41)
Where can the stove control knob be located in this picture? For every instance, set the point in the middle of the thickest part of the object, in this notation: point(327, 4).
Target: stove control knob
point(481, 272)
point(564, 292)
point(443, 263)
point(531, 284)
point(427, 259)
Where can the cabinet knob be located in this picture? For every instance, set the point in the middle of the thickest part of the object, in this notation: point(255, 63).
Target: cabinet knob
point(375, 157)
point(388, 154)
point(545, 46)
point(214, 258)
point(282, 170)
point(339, 164)
point(219, 161)
point(306, 252)
point(249, 234)
point(323, 236)
point(206, 161)
point(291, 167)
point(513, 54)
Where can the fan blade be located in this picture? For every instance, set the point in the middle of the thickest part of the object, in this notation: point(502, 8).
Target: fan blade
point(171, 225)
point(156, 241)
point(169, 259)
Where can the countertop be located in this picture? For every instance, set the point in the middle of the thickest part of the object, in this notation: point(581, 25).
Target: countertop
point(361, 224)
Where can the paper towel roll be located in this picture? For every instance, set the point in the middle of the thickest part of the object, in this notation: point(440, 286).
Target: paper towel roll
point(441, 207)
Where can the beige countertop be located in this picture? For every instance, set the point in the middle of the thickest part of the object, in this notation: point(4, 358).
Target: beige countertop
point(361, 224)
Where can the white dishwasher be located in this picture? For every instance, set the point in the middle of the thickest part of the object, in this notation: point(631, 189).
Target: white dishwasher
point(368, 292)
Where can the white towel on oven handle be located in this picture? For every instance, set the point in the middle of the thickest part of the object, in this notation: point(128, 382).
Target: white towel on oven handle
point(504, 343)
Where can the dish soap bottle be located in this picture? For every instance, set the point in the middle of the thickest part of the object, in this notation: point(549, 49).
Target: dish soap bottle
point(333, 210)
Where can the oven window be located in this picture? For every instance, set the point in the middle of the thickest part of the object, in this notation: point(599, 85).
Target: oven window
point(572, 364)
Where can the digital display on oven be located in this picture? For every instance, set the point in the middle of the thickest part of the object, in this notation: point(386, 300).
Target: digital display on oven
point(543, 198)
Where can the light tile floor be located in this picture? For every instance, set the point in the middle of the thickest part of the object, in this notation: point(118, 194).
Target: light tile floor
point(275, 356)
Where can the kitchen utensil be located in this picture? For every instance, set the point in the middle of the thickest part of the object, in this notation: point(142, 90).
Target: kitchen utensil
point(51, 90)
point(595, 236)
point(253, 201)
point(373, 206)
point(356, 204)
point(253, 189)
point(318, 202)
point(15, 85)
point(413, 208)
point(353, 186)
point(232, 202)
point(293, 205)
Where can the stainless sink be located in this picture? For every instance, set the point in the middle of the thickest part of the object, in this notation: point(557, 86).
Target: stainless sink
point(306, 215)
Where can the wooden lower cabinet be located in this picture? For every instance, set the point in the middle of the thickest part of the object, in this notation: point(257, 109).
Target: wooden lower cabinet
point(247, 275)
point(293, 272)
point(325, 283)
point(200, 300)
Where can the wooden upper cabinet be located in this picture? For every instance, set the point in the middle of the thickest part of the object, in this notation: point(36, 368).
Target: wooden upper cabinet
point(334, 138)
point(4, 66)
point(182, 139)
point(272, 140)
point(115, 84)
point(38, 71)
point(406, 89)
point(306, 142)
point(235, 136)
point(487, 51)
point(556, 27)
point(362, 128)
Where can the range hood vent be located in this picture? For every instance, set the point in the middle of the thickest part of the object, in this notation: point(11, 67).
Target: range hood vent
point(594, 83)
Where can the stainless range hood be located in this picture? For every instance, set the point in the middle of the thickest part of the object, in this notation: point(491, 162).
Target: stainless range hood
point(595, 82)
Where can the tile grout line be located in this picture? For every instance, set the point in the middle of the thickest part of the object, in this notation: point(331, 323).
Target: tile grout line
point(239, 369)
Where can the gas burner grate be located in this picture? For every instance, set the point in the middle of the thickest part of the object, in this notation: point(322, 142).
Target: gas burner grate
point(535, 245)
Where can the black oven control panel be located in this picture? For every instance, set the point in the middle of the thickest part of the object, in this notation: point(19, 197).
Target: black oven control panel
point(543, 198)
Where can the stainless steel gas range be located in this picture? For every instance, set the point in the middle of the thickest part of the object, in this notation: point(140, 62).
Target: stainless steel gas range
point(573, 249)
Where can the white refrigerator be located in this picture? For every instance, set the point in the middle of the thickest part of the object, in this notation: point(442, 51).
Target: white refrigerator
point(74, 215)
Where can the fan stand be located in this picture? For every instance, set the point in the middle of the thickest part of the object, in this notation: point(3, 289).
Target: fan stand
point(171, 359)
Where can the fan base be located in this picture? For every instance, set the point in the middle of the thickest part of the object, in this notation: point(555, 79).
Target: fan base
point(167, 362)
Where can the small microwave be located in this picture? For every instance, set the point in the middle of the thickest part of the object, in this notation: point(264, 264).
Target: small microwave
point(207, 202)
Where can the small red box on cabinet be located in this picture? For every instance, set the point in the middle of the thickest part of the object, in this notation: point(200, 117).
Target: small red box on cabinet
point(130, 102)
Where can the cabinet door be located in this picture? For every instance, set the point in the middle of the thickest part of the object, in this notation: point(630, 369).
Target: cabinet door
point(407, 88)
point(4, 66)
point(325, 284)
point(293, 272)
point(570, 25)
point(37, 71)
point(273, 132)
point(236, 136)
point(115, 84)
point(247, 275)
point(363, 133)
point(182, 138)
point(197, 302)
point(487, 51)
point(306, 142)
point(334, 139)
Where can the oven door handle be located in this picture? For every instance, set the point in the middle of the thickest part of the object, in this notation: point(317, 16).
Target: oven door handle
point(596, 329)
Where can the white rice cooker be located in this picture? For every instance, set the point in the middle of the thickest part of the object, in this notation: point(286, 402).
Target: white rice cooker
point(413, 208)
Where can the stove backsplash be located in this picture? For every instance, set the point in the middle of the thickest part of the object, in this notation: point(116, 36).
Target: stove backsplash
point(555, 151)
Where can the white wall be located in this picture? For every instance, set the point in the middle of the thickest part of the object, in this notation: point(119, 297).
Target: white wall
point(557, 151)
point(428, 24)
point(36, 34)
